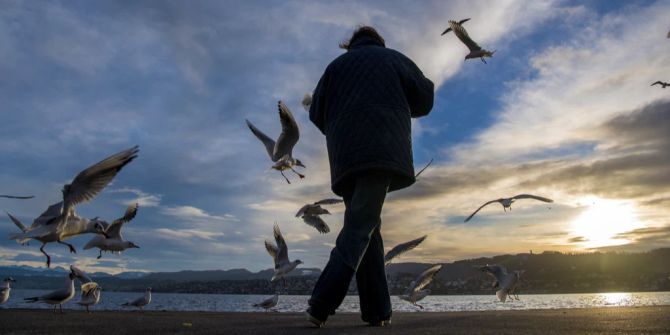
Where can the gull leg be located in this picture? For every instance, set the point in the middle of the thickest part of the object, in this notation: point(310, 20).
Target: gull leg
point(100, 255)
point(282, 174)
point(299, 174)
point(48, 257)
point(54, 309)
point(72, 249)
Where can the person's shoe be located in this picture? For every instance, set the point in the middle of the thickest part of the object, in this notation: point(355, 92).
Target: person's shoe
point(313, 319)
point(382, 323)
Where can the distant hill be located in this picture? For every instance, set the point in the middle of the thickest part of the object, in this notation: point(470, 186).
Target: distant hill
point(548, 272)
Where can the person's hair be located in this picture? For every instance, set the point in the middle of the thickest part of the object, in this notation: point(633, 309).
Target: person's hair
point(362, 31)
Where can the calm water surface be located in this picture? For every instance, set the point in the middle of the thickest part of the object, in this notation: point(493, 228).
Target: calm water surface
point(298, 303)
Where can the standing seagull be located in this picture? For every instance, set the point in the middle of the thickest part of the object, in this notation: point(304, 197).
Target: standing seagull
point(279, 254)
point(60, 221)
point(58, 297)
point(310, 214)
point(507, 202)
point(505, 282)
point(401, 249)
point(16, 196)
point(142, 301)
point(281, 152)
point(663, 84)
point(113, 240)
point(307, 101)
point(90, 290)
point(475, 50)
point(4, 291)
point(269, 302)
point(415, 291)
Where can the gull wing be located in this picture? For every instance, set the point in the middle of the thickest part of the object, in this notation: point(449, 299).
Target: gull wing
point(114, 230)
point(426, 277)
point(83, 276)
point(302, 210)
point(402, 248)
point(496, 271)
point(329, 201)
point(459, 23)
point(462, 35)
point(58, 295)
point(88, 183)
point(269, 302)
point(16, 196)
point(52, 212)
point(267, 141)
point(289, 132)
point(480, 207)
point(657, 83)
point(273, 251)
point(530, 196)
point(316, 222)
point(17, 222)
point(282, 255)
point(424, 168)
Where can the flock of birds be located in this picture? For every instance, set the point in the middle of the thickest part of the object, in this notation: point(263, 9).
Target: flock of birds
point(60, 221)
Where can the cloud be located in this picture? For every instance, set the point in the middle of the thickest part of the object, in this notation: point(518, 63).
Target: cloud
point(187, 234)
point(194, 214)
point(143, 199)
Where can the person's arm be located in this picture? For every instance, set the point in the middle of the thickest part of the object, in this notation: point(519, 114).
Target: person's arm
point(317, 109)
point(419, 90)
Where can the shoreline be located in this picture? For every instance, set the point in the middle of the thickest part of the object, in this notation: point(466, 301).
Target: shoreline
point(607, 320)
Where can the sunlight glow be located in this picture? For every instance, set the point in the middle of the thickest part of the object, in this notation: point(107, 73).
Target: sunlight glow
point(616, 299)
point(600, 223)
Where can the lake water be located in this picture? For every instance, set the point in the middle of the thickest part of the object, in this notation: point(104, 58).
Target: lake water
point(298, 303)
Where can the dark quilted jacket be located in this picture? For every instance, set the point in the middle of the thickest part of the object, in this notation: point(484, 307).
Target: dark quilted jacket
point(363, 104)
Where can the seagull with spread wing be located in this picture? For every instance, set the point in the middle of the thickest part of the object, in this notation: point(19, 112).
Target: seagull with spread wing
point(663, 84)
point(415, 292)
point(57, 297)
point(507, 202)
point(281, 151)
point(279, 254)
point(90, 290)
point(4, 291)
point(475, 50)
point(113, 239)
point(505, 282)
point(310, 214)
point(401, 249)
point(268, 303)
point(60, 221)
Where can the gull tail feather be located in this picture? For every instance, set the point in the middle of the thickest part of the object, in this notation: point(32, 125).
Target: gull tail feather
point(33, 299)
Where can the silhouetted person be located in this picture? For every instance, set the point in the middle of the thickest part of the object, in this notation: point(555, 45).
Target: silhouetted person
point(363, 104)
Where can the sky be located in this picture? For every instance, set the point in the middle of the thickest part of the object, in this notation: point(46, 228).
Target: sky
point(564, 109)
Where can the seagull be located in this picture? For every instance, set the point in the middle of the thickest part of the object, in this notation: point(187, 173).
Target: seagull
point(475, 50)
point(281, 152)
point(310, 214)
point(415, 291)
point(663, 84)
point(401, 249)
point(280, 255)
point(307, 101)
point(507, 202)
point(142, 301)
point(269, 302)
point(4, 291)
point(58, 297)
point(113, 241)
point(505, 282)
point(90, 290)
point(16, 196)
point(60, 221)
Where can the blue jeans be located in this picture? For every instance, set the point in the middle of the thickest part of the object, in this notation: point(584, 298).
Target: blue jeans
point(359, 250)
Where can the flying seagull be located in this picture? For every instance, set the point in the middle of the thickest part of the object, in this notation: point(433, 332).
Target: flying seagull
point(281, 152)
point(60, 220)
point(475, 50)
point(4, 291)
point(310, 214)
point(507, 202)
point(58, 297)
point(415, 292)
point(505, 282)
point(663, 84)
point(16, 196)
point(113, 241)
point(401, 249)
point(141, 301)
point(279, 254)
point(268, 303)
point(90, 290)
point(307, 101)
